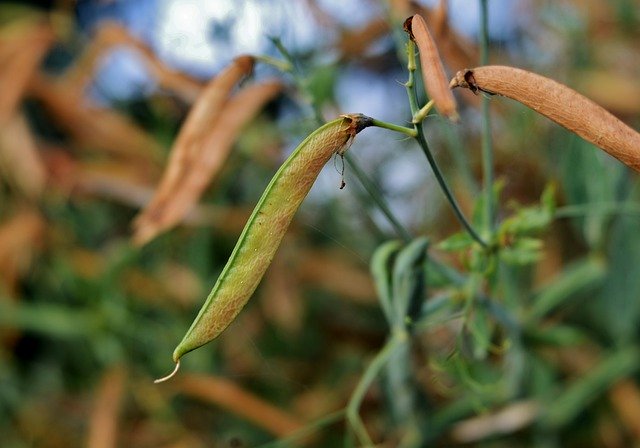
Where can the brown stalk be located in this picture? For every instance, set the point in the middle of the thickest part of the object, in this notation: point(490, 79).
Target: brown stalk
point(103, 423)
point(559, 103)
point(22, 47)
point(231, 397)
point(185, 180)
point(433, 74)
point(508, 420)
point(625, 398)
point(20, 239)
point(20, 161)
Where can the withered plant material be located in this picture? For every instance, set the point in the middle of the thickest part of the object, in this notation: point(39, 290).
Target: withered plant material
point(456, 50)
point(435, 79)
point(20, 161)
point(231, 397)
point(103, 423)
point(202, 116)
point(622, 94)
point(332, 271)
point(559, 103)
point(625, 400)
point(92, 127)
point(182, 186)
point(20, 237)
point(110, 35)
point(355, 43)
point(508, 420)
point(22, 47)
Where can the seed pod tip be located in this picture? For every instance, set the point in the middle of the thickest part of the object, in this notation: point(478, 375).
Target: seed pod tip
point(171, 375)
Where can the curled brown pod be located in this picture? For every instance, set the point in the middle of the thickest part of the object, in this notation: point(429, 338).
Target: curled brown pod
point(559, 103)
point(433, 74)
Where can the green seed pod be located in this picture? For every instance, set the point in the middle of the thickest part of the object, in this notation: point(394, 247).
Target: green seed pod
point(265, 229)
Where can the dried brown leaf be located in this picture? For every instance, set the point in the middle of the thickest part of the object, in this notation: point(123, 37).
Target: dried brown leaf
point(355, 43)
point(435, 79)
point(625, 398)
point(20, 161)
point(110, 35)
point(92, 127)
point(200, 159)
point(230, 396)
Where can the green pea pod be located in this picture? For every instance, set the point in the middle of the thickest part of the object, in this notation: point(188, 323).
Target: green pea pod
point(265, 229)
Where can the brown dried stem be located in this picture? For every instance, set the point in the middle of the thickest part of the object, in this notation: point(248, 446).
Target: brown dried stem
point(559, 103)
point(231, 397)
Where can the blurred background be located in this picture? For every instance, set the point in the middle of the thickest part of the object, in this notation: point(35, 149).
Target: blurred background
point(92, 97)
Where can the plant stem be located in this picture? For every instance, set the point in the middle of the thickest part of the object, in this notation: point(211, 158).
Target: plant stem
point(410, 85)
point(422, 141)
point(370, 374)
point(394, 127)
point(487, 143)
point(377, 198)
point(322, 422)
point(366, 183)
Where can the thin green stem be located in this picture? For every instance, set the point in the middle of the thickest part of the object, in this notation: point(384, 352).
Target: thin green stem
point(366, 183)
point(422, 141)
point(377, 198)
point(322, 422)
point(370, 374)
point(487, 143)
point(410, 85)
point(283, 66)
point(300, 80)
point(598, 208)
point(394, 127)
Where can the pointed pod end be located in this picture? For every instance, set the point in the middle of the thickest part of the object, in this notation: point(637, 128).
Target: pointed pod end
point(461, 79)
point(171, 375)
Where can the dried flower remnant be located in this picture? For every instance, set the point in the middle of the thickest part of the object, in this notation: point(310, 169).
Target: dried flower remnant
point(433, 74)
point(559, 103)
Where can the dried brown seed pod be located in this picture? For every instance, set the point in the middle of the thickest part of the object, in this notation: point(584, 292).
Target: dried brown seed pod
point(559, 103)
point(433, 74)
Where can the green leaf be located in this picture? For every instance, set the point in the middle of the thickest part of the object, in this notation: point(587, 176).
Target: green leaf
point(456, 242)
point(523, 252)
point(407, 277)
point(580, 276)
point(381, 267)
